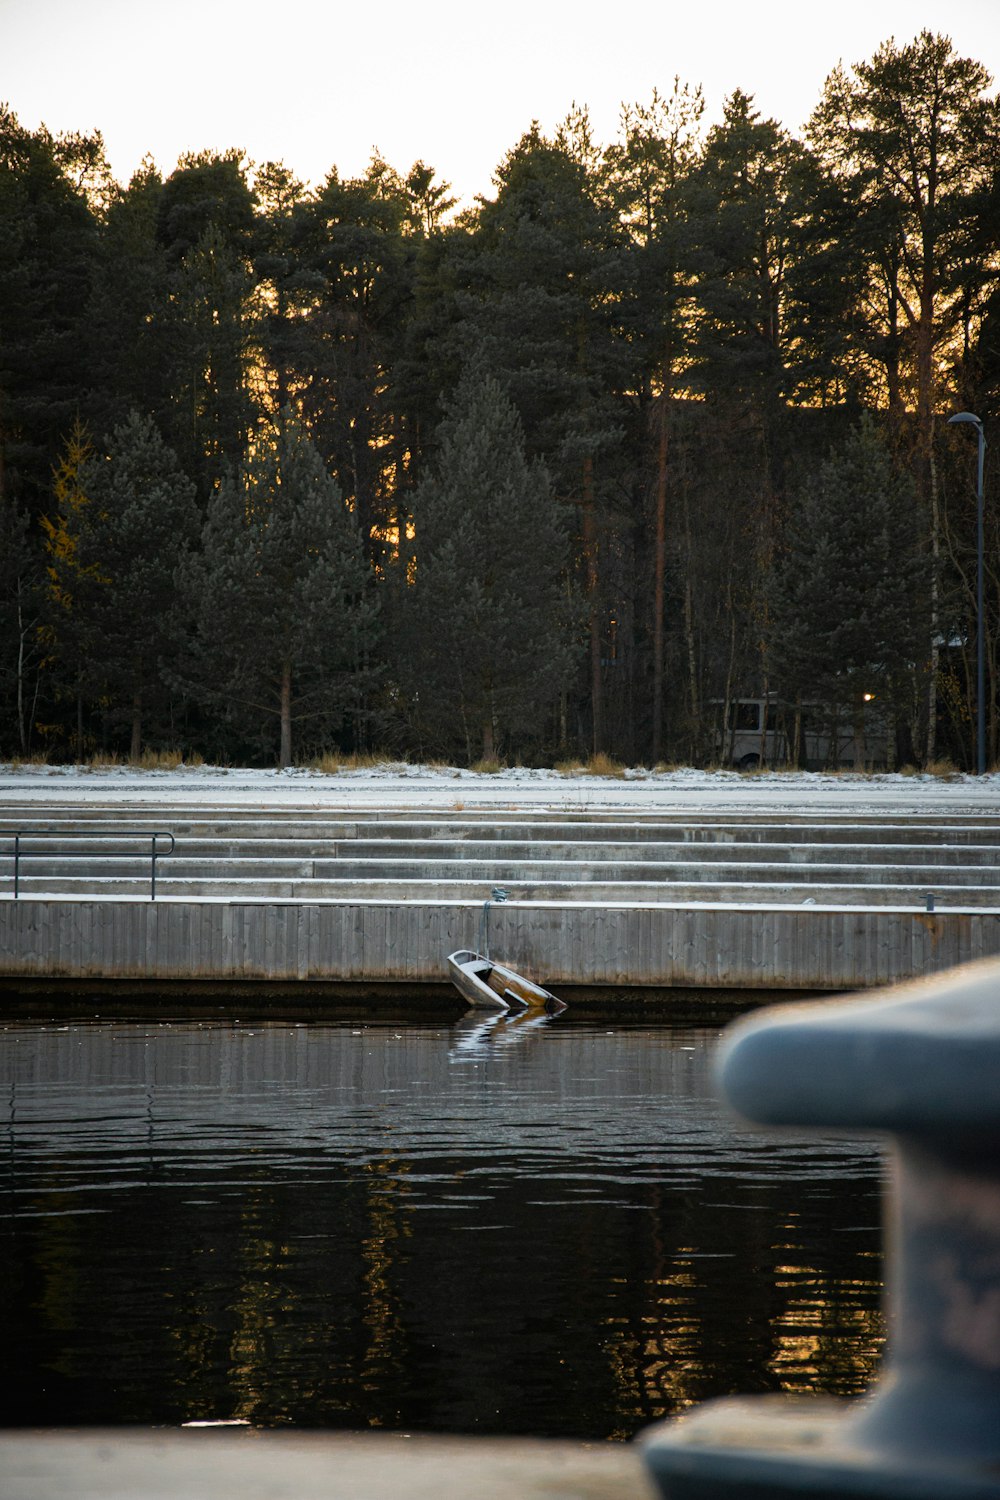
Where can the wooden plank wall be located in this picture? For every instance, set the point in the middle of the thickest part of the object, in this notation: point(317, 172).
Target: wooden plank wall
point(732, 947)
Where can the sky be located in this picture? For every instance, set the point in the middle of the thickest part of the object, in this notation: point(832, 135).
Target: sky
point(318, 85)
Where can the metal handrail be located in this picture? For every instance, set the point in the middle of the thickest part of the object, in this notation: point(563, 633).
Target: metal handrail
point(155, 852)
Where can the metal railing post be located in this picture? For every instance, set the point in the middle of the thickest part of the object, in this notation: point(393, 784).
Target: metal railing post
point(49, 833)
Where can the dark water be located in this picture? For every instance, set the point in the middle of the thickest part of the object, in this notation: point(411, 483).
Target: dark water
point(545, 1228)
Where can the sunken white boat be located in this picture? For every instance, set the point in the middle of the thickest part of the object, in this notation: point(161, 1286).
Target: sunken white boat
point(486, 985)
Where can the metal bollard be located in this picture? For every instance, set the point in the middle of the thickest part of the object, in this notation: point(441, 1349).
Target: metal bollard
point(922, 1063)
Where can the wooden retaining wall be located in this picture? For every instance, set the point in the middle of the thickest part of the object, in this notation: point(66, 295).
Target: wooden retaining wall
point(379, 942)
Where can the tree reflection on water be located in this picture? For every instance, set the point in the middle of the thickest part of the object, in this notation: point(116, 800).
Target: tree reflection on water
point(549, 1229)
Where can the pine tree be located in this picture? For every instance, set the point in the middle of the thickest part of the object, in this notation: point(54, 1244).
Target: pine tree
point(850, 597)
point(489, 637)
point(539, 312)
point(747, 208)
point(914, 137)
point(47, 243)
point(137, 519)
point(21, 646)
point(284, 288)
point(205, 322)
point(283, 615)
point(65, 626)
point(356, 258)
point(649, 174)
point(123, 327)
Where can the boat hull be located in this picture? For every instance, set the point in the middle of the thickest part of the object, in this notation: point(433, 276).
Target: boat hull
point(486, 985)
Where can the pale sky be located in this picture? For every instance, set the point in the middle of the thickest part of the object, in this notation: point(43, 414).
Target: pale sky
point(319, 84)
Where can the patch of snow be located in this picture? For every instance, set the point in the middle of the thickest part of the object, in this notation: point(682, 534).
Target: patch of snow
point(400, 786)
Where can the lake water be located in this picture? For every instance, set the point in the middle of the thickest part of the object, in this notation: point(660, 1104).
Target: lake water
point(514, 1227)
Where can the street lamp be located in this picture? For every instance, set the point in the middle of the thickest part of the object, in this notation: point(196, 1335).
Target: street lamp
point(967, 416)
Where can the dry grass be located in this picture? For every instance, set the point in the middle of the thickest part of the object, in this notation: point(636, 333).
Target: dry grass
point(36, 758)
point(570, 767)
point(332, 761)
point(597, 765)
point(489, 766)
point(603, 765)
point(944, 769)
point(166, 760)
point(149, 760)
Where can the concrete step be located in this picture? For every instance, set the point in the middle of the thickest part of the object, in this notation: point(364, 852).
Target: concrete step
point(101, 867)
point(584, 893)
point(321, 827)
point(499, 845)
point(486, 872)
point(505, 872)
point(274, 852)
point(972, 855)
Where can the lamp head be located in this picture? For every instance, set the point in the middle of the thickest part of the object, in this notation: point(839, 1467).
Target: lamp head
point(965, 416)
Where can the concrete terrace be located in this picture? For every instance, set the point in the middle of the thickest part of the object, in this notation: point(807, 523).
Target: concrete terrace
point(682, 879)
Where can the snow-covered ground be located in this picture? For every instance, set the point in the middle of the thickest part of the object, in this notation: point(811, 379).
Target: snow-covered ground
point(409, 786)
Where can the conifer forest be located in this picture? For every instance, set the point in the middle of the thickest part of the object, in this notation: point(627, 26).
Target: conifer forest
point(659, 424)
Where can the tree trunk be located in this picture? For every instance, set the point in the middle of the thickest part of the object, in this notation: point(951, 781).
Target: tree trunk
point(728, 735)
point(136, 747)
point(891, 356)
point(659, 571)
point(32, 718)
point(991, 705)
point(694, 693)
point(285, 754)
point(935, 624)
point(590, 553)
point(928, 475)
point(21, 633)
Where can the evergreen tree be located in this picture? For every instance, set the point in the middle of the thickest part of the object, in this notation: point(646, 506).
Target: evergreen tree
point(746, 207)
point(138, 517)
point(205, 324)
point(127, 355)
point(208, 192)
point(283, 618)
point(430, 201)
point(648, 179)
point(914, 137)
point(47, 244)
point(285, 289)
point(356, 261)
point(851, 597)
point(65, 629)
point(489, 638)
point(21, 646)
point(747, 211)
point(539, 312)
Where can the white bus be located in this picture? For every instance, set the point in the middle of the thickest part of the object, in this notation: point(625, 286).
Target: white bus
point(763, 732)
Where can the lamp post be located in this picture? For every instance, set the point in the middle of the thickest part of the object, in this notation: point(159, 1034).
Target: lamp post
point(967, 416)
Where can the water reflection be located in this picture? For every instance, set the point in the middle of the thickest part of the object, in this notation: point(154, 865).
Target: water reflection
point(476, 1034)
point(505, 1225)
